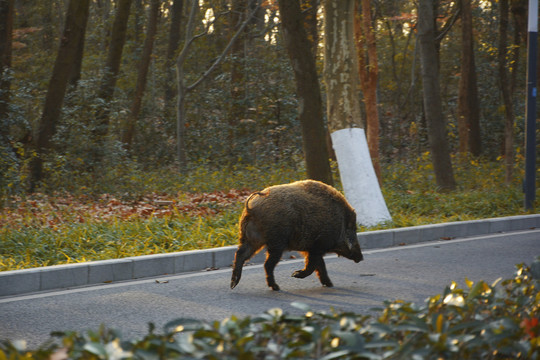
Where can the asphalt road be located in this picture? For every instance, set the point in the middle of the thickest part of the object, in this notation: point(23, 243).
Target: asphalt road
point(411, 273)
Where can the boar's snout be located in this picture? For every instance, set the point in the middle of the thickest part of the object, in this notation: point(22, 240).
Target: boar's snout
point(352, 250)
point(356, 255)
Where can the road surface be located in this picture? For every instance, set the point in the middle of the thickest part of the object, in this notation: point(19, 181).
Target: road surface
point(411, 273)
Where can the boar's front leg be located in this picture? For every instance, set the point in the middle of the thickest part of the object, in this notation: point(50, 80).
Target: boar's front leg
point(272, 258)
point(309, 267)
point(322, 274)
point(314, 262)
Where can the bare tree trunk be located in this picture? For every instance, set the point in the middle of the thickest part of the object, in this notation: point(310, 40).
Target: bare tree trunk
point(308, 91)
point(181, 153)
point(174, 41)
point(341, 67)
point(442, 163)
point(112, 66)
point(76, 69)
point(76, 17)
point(6, 31)
point(144, 64)
point(468, 102)
point(309, 10)
point(505, 91)
point(368, 70)
point(237, 107)
point(349, 141)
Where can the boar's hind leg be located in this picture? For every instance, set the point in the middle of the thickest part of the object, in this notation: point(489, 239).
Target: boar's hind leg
point(272, 258)
point(243, 253)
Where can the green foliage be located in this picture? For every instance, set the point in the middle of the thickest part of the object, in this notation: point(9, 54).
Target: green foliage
point(479, 322)
point(413, 198)
point(264, 131)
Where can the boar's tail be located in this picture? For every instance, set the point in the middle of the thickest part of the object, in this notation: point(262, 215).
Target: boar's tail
point(260, 193)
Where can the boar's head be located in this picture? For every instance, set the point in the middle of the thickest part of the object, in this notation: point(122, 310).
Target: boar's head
point(348, 244)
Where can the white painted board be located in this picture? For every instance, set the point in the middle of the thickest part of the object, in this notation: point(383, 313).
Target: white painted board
point(358, 177)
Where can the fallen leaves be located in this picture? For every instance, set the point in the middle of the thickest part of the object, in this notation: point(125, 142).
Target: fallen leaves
point(51, 211)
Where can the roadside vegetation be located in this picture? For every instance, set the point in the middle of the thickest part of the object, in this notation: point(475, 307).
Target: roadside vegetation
point(131, 212)
point(482, 321)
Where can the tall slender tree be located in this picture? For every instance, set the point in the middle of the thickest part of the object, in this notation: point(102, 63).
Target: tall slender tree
point(76, 68)
point(112, 66)
point(310, 9)
point(468, 101)
point(172, 48)
point(6, 34)
point(237, 108)
point(308, 91)
point(75, 23)
point(142, 72)
point(368, 69)
point(505, 92)
point(440, 153)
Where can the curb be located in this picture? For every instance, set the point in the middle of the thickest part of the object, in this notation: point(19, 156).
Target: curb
point(18, 282)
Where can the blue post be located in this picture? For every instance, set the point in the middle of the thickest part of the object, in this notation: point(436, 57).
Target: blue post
point(530, 116)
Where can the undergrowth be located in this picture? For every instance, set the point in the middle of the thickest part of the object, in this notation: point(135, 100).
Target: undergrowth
point(482, 321)
point(149, 212)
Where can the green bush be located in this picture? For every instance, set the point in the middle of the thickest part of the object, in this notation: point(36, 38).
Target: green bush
point(499, 321)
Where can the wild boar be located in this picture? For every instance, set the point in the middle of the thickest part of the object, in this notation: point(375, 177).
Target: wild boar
point(305, 216)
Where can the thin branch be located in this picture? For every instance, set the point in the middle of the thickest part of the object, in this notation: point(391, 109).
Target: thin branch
point(225, 51)
point(189, 33)
point(448, 25)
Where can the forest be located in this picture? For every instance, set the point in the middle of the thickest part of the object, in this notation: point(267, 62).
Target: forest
point(101, 91)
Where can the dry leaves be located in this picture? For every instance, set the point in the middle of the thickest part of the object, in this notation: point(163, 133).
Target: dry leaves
point(51, 211)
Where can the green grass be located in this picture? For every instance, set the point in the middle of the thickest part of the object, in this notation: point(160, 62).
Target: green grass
point(58, 229)
point(94, 240)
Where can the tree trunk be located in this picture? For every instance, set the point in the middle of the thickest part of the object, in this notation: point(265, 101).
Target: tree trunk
point(308, 91)
point(468, 102)
point(368, 70)
point(182, 89)
point(76, 17)
point(438, 141)
point(341, 67)
point(343, 112)
point(237, 106)
point(144, 64)
point(6, 31)
point(172, 48)
point(76, 68)
point(112, 66)
point(309, 10)
point(505, 91)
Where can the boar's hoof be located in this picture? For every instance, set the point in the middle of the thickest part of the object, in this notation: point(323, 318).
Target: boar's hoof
point(234, 282)
point(274, 286)
point(328, 283)
point(300, 274)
